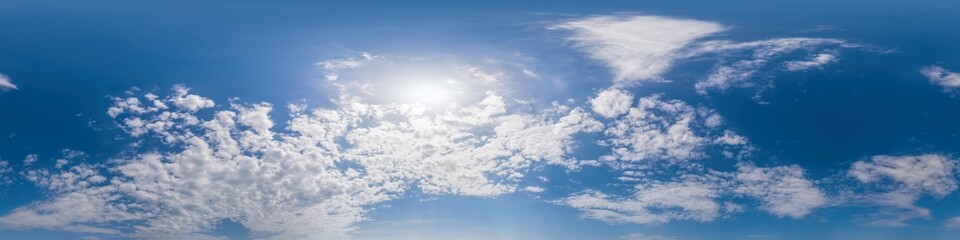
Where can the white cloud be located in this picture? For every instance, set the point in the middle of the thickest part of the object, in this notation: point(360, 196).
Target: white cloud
point(636, 48)
point(815, 61)
point(755, 55)
point(941, 77)
point(930, 173)
point(640, 236)
point(783, 190)
point(660, 129)
point(6, 83)
point(612, 102)
point(899, 181)
point(534, 189)
point(655, 202)
point(642, 48)
point(189, 102)
point(332, 66)
point(5, 171)
point(952, 223)
point(29, 159)
point(484, 76)
point(315, 178)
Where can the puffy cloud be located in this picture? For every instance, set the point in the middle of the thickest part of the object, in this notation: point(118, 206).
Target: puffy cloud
point(6, 83)
point(941, 77)
point(656, 128)
point(315, 178)
point(29, 159)
point(190, 102)
point(899, 181)
point(5, 171)
point(783, 190)
point(612, 102)
point(636, 48)
point(533, 189)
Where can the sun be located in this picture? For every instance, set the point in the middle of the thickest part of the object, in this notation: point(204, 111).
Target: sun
point(428, 94)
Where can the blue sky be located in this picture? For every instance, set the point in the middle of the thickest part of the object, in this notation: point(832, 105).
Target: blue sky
point(479, 120)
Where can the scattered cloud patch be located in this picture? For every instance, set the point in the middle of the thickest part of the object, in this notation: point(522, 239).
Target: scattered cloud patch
point(314, 178)
point(942, 77)
point(814, 62)
point(29, 159)
point(784, 191)
point(897, 182)
point(655, 202)
point(754, 56)
point(534, 189)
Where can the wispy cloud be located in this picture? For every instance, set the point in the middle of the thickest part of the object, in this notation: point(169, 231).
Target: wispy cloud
point(6, 83)
point(636, 48)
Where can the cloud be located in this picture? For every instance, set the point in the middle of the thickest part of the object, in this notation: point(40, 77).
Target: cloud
point(783, 190)
point(930, 173)
point(5, 171)
point(315, 177)
point(636, 48)
point(332, 66)
point(897, 182)
point(754, 56)
point(952, 223)
point(640, 236)
point(654, 202)
point(643, 48)
point(533, 189)
point(29, 159)
point(6, 83)
point(815, 61)
point(612, 102)
point(656, 129)
point(941, 77)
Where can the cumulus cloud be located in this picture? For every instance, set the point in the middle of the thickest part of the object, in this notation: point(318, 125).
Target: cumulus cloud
point(315, 178)
point(784, 191)
point(658, 129)
point(29, 159)
point(897, 182)
point(534, 189)
point(941, 77)
point(6, 83)
point(612, 102)
point(636, 48)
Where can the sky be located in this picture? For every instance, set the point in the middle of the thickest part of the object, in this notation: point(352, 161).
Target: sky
point(640, 120)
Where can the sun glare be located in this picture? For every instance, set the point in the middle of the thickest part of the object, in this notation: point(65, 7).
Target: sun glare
point(428, 94)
